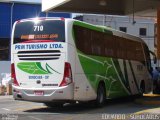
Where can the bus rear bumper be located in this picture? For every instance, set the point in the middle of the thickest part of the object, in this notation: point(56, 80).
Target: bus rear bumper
point(43, 95)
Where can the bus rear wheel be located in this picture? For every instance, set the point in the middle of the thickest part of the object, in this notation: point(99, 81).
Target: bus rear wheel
point(142, 87)
point(101, 95)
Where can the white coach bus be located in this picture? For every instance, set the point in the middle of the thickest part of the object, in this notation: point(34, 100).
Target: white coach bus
point(57, 60)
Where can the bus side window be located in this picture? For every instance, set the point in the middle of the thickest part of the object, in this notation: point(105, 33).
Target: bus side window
point(139, 52)
point(86, 41)
point(82, 39)
point(109, 45)
point(97, 43)
point(147, 55)
point(121, 47)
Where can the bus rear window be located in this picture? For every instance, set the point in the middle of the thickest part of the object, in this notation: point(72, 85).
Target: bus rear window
point(52, 30)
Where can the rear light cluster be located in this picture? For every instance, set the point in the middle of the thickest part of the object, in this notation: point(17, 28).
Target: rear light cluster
point(13, 75)
point(67, 78)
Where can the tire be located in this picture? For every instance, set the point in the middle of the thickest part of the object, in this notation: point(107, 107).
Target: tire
point(155, 86)
point(142, 87)
point(101, 96)
point(53, 105)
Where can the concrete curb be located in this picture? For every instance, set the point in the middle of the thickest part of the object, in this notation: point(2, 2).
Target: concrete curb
point(151, 95)
point(140, 101)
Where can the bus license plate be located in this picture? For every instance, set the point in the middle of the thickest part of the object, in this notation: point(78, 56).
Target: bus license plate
point(39, 93)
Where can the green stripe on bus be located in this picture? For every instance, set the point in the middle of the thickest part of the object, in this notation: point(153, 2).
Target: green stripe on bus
point(31, 68)
point(98, 68)
point(38, 64)
point(121, 75)
point(47, 66)
point(36, 68)
point(120, 72)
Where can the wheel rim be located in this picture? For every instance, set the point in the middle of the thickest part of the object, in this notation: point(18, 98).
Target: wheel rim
point(101, 95)
point(101, 98)
point(142, 88)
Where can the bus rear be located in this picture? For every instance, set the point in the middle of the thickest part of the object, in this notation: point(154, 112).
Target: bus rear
point(40, 71)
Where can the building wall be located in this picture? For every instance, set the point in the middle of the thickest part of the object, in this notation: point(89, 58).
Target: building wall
point(5, 20)
point(20, 11)
point(4, 69)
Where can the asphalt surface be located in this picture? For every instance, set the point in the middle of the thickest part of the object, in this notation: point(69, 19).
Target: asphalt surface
point(125, 108)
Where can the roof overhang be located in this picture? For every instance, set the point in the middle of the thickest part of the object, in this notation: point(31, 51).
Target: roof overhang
point(114, 7)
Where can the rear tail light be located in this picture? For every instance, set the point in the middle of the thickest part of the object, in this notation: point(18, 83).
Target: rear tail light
point(67, 78)
point(13, 75)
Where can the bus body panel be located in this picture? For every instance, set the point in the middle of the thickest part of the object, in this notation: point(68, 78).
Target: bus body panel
point(134, 72)
point(49, 94)
point(83, 91)
point(49, 73)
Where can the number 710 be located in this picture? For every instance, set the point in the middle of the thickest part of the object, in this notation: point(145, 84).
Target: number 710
point(38, 28)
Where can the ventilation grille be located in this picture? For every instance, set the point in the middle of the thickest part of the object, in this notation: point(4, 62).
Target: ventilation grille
point(39, 55)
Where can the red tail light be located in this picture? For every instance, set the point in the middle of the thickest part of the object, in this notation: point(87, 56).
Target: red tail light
point(13, 75)
point(67, 78)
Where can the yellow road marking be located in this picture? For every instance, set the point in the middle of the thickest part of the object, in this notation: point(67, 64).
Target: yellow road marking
point(72, 117)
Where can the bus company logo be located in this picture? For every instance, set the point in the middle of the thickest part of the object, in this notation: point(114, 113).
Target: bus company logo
point(35, 68)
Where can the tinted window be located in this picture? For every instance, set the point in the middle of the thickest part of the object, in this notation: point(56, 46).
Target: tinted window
point(44, 30)
point(123, 29)
point(83, 39)
point(4, 48)
point(143, 31)
point(102, 44)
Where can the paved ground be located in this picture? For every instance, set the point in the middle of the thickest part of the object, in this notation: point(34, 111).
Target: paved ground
point(148, 106)
point(150, 99)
